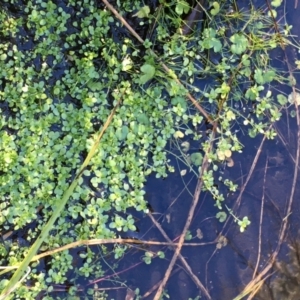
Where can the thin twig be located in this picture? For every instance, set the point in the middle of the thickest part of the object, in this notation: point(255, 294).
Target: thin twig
point(251, 288)
point(167, 70)
point(260, 221)
point(184, 262)
point(155, 286)
point(102, 242)
point(181, 240)
point(243, 187)
point(196, 197)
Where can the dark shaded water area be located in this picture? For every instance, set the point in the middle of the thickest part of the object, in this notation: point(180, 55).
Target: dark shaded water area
point(225, 260)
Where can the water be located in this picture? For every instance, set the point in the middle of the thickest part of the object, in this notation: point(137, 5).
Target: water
point(224, 266)
point(225, 272)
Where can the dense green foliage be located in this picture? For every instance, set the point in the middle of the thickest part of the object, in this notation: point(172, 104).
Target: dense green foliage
point(63, 68)
point(56, 94)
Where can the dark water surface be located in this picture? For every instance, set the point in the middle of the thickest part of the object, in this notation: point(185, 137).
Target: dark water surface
point(226, 271)
point(226, 265)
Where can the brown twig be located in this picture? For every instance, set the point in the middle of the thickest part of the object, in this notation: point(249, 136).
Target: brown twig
point(184, 262)
point(196, 197)
point(105, 241)
point(243, 187)
point(167, 70)
point(155, 286)
point(253, 285)
point(205, 163)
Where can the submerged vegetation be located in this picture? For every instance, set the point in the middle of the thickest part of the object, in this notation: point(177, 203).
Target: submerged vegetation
point(65, 65)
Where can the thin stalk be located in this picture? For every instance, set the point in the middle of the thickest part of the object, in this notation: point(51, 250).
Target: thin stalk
point(190, 216)
point(167, 70)
point(15, 280)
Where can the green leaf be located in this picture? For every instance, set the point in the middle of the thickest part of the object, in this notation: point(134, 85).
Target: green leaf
point(127, 63)
point(188, 236)
point(243, 223)
point(147, 258)
point(276, 3)
point(3, 56)
point(210, 41)
point(292, 80)
point(185, 146)
point(293, 113)
point(273, 14)
point(122, 133)
point(258, 76)
point(182, 7)
point(196, 159)
point(178, 134)
point(282, 100)
point(56, 91)
point(161, 254)
point(94, 85)
point(216, 44)
point(143, 118)
point(143, 12)
point(148, 71)
point(239, 43)
point(216, 8)
point(221, 215)
point(246, 60)
point(34, 14)
point(179, 100)
point(269, 75)
point(253, 92)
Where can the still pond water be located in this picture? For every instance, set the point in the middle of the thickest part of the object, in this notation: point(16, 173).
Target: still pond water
point(225, 259)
